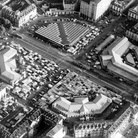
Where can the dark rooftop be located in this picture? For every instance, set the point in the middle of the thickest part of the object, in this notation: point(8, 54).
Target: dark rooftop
point(17, 5)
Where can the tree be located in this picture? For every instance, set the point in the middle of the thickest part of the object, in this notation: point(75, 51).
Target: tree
point(2, 21)
point(7, 24)
point(2, 31)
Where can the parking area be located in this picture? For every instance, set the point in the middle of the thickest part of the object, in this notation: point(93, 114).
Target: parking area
point(36, 72)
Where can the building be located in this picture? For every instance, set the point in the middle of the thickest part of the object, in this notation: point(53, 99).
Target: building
point(133, 13)
point(69, 4)
point(81, 106)
point(56, 132)
point(115, 59)
point(8, 66)
point(94, 9)
point(132, 33)
point(61, 34)
point(19, 13)
point(118, 6)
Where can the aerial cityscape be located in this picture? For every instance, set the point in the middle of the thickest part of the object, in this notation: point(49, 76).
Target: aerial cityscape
point(69, 69)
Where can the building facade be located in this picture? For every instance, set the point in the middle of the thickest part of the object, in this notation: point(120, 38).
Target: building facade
point(90, 129)
point(19, 18)
point(56, 12)
point(94, 9)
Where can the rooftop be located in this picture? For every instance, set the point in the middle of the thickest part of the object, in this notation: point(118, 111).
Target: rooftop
point(65, 33)
point(8, 64)
point(53, 131)
point(82, 105)
point(134, 9)
point(17, 5)
point(115, 63)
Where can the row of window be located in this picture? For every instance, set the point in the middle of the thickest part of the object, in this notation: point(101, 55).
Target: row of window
point(92, 126)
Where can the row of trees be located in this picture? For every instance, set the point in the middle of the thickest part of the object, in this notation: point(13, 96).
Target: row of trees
point(5, 25)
